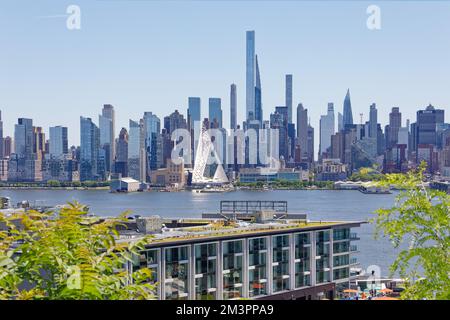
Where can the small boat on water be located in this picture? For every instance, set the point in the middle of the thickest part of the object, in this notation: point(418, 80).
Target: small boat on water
point(371, 189)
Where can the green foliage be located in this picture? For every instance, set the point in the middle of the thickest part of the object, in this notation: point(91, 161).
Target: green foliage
point(367, 174)
point(68, 256)
point(421, 217)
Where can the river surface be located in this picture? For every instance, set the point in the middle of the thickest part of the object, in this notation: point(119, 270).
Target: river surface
point(317, 204)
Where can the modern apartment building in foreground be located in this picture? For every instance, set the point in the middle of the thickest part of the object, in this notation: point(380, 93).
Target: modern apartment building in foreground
point(251, 249)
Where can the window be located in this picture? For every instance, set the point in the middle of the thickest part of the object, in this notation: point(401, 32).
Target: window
point(177, 273)
point(341, 234)
point(323, 254)
point(280, 263)
point(148, 259)
point(206, 271)
point(302, 242)
point(232, 269)
point(257, 266)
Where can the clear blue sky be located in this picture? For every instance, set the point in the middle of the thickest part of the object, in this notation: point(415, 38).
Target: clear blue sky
point(151, 55)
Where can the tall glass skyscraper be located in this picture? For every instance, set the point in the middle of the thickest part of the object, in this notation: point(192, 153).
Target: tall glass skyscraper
point(194, 110)
point(233, 107)
point(289, 96)
point(107, 134)
point(250, 76)
point(58, 144)
point(258, 100)
point(326, 129)
point(215, 111)
point(23, 138)
point(348, 115)
point(152, 129)
point(89, 149)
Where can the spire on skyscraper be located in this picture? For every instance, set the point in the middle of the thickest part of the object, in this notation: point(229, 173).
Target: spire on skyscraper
point(348, 116)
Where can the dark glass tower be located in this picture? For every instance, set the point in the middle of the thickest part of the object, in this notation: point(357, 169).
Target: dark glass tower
point(348, 116)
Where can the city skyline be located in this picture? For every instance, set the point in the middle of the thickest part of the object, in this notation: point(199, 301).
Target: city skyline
point(306, 89)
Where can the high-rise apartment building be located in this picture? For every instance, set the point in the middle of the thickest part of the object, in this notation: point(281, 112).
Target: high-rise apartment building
point(58, 144)
point(121, 161)
point(288, 96)
point(89, 149)
point(250, 76)
point(215, 111)
point(107, 135)
point(233, 107)
point(327, 123)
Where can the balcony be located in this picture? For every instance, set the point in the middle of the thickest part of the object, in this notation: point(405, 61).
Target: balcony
point(353, 248)
point(354, 261)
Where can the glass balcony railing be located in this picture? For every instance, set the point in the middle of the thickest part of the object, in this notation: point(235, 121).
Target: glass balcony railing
point(353, 248)
point(353, 261)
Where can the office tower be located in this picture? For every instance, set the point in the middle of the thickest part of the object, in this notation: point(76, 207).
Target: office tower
point(215, 111)
point(373, 121)
point(89, 149)
point(233, 107)
point(152, 129)
point(121, 161)
point(23, 137)
point(288, 94)
point(258, 100)
point(279, 120)
point(391, 130)
point(302, 130)
point(340, 122)
point(310, 144)
point(194, 111)
point(427, 121)
point(58, 144)
point(326, 129)
point(348, 115)
point(39, 142)
point(107, 134)
point(250, 76)
point(8, 147)
point(135, 150)
point(1, 137)
point(174, 121)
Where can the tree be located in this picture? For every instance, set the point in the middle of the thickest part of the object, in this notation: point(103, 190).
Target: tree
point(68, 255)
point(420, 216)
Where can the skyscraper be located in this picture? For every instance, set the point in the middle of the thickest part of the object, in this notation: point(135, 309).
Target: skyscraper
point(121, 160)
point(58, 144)
point(152, 129)
point(348, 115)
point(391, 130)
point(326, 129)
point(288, 94)
point(233, 107)
point(373, 121)
point(194, 114)
point(250, 76)
point(340, 122)
point(258, 99)
point(194, 111)
point(1, 137)
point(426, 125)
point(135, 150)
point(302, 130)
point(89, 149)
point(215, 111)
point(107, 134)
point(23, 138)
